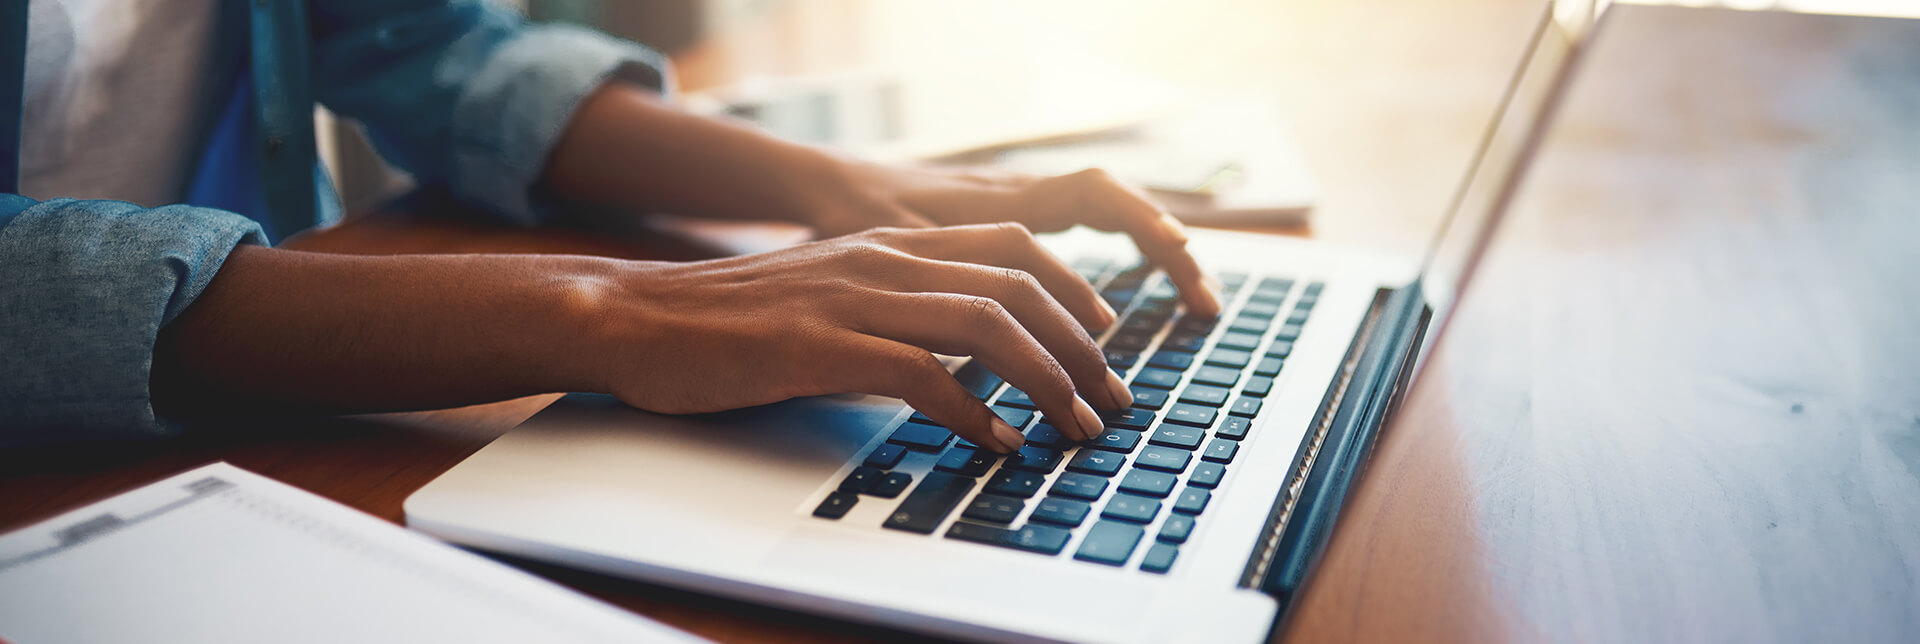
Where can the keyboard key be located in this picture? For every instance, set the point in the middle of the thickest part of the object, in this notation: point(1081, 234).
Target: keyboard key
point(1241, 341)
point(1128, 418)
point(920, 438)
point(1288, 332)
point(1121, 359)
point(1280, 349)
point(1183, 342)
point(1018, 418)
point(1187, 438)
point(1298, 316)
point(1110, 543)
point(1249, 324)
point(1140, 481)
point(860, 479)
point(1116, 440)
point(1195, 325)
point(1079, 486)
point(993, 508)
point(1093, 461)
point(1207, 474)
point(966, 462)
point(1046, 540)
point(1141, 324)
point(1269, 366)
point(1148, 398)
point(1192, 500)
point(1060, 511)
point(1171, 360)
point(1217, 376)
point(1128, 341)
point(1127, 507)
point(1014, 483)
point(929, 503)
point(1045, 435)
point(1194, 415)
point(1165, 458)
point(918, 417)
point(1258, 386)
point(1231, 358)
point(891, 485)
point(1159, 558)
point(1245, 406)
point(836, 505)
point(1235, 428)
point(1016, 398)
point(1176, 528)
point(1204, 395)
point(1036, 459)
point(886, 456)
point(1157, 378)
point(1276, 285)
point(978, 381)
point(1261, 309)
point(1219, 450)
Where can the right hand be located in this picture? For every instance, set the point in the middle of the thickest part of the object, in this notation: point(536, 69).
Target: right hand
point(863, 313)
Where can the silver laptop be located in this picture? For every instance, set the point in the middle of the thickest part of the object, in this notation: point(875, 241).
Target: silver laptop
point(1195, 516)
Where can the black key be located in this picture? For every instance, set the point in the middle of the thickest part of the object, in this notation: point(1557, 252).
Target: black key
point(1192, 500)
point(1157, 378)
point(1128, 341)
point(963, 443)
point(886, 456)
point(1235, 428)
point(1128, 418)
point(1148, 398)
point(1217, 376)
point(1116, 440)
point(1016, 398)
point(1307, 301)
point(966, 462)
point(1014, 483)
point(1195, 325)
point(1232, 358)
point(836, 505)
point(1298, 316)
point(1207, 474)
point(860, 479)
point(1093, 461)
point(1079, 486)
point(1122, 359)
point(918, 417)
point(1110, 543)
point(1183, 342)
point(1280, 349)
point(1159, 558)
point(929, 503)
point(1036, 459)
point(1249, 324)
point(1171, 360)
point(1176, 528)
point(1056, 510)
point(1269, 366)
point(1315, 288)
point(1140, 324)
point(891, 485)
point(1204, 395)
point(1127, 507)
point(1164, 458)
point(1269, 297)
point(978, 381)
point(920, 438)
point(993, 508)
point(1258, 386)
point(1194, 415)
point(1186, 438)
point(1046, 540)
point(1220, 450)
point(1018, 418)
point(1261, 309)
point(1045, 435)
point(1245, 406)
point(1288, 332)
point(1276, 284)
point(1241, 341)
point(1140, 481)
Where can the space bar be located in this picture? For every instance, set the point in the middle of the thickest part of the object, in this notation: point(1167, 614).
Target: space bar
point(930, 503)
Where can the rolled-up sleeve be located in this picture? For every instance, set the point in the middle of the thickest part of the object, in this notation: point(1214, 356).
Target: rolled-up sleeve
point(467, 94)
point(89, 285)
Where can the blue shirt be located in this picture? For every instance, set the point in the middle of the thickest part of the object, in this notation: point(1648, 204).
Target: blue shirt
point(461, 94)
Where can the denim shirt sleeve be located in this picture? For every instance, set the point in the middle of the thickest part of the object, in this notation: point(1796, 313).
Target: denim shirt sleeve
point(464, 93)
point(89, 284)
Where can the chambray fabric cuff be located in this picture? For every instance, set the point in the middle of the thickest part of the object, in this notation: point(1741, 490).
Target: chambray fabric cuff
point(511, 114)
point(89, 284)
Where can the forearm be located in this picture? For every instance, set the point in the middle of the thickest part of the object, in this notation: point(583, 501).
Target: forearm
point(335, 333)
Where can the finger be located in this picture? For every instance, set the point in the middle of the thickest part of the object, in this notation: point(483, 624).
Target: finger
point(982, 327)
point(1105, 203)
point(1011, 245)
point(879, 217)
point(875, 365)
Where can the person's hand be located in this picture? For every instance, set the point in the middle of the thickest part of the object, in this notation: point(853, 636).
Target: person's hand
point(858, 196)
point(860, 313)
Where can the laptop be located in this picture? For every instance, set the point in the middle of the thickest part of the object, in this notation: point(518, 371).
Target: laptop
point(1195, 516)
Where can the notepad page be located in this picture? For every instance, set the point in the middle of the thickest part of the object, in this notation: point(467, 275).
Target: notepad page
point(219, 554)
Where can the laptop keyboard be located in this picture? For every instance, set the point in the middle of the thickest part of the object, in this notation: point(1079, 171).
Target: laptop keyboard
point(1133, 494)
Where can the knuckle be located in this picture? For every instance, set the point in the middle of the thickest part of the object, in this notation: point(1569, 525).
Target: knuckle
point(1018, 283)
point(1014, 231)
point(983, 312)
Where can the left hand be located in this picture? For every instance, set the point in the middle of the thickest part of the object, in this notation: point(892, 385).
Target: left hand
point(862, 196)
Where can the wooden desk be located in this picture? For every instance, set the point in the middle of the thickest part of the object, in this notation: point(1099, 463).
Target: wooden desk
point(1680, 403)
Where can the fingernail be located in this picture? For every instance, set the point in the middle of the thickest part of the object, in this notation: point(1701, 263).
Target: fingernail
point(1010, 438)
point(1175, 230)
point(1110, 315)
point(1122, 398)
point(1210, 292)
point(1089, 419)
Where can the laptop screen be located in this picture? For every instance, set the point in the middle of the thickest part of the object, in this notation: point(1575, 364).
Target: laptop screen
point(1519, 123)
